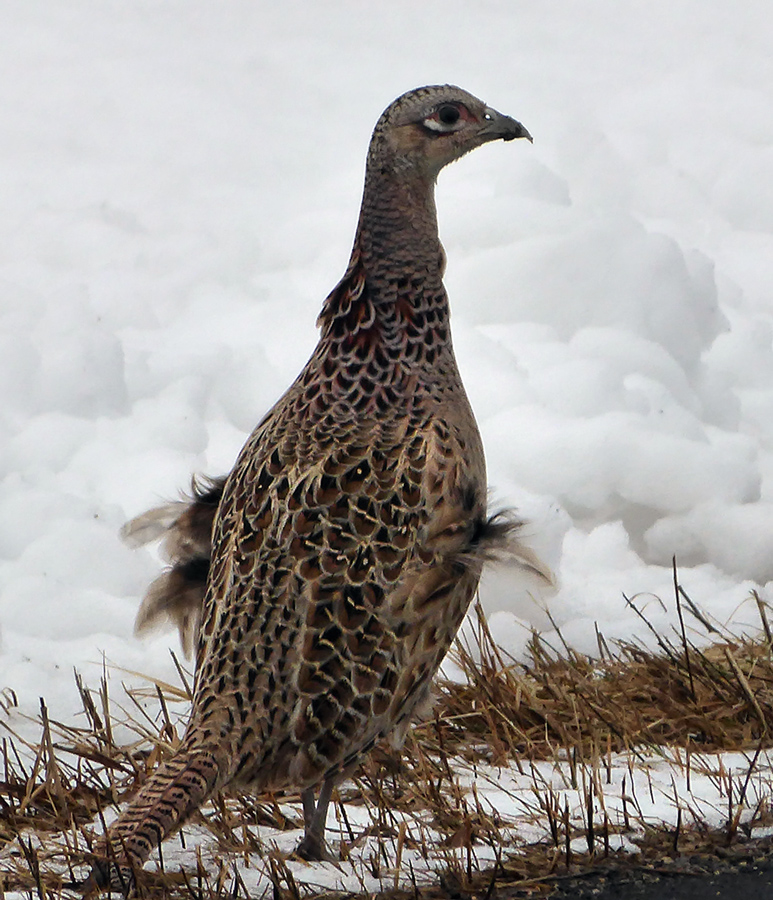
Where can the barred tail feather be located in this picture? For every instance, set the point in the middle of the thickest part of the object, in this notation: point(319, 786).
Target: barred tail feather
point(161, 807)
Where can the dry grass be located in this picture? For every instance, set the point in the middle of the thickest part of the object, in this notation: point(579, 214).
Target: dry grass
point(717, 698)
point(561, 706)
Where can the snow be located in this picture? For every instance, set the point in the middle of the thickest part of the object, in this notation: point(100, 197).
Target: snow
point(180, 185)
point(628, 795)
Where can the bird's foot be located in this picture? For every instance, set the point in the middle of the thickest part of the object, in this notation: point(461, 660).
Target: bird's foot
point(312, 848)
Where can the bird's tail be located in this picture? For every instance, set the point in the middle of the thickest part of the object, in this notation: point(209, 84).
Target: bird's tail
point(165, 801)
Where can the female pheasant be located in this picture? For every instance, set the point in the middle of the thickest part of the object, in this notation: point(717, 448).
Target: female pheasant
point(349, 538)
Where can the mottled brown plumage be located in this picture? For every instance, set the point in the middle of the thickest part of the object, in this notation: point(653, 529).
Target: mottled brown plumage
point(350, 535)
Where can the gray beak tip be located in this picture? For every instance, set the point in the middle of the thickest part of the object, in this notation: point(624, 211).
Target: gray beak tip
point(518, 131)
point(501, 127)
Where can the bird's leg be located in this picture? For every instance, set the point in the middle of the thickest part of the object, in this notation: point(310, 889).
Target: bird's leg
point(309, 806)
point(312, 847)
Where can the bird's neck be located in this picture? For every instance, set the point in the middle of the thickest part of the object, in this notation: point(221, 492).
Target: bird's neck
point(393, 289)
point(398, 229)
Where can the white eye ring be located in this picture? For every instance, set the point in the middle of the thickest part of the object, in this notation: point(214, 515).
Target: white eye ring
point(435, 125)
point(438, 122)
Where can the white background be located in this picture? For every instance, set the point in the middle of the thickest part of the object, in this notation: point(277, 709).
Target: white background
point(179, 187)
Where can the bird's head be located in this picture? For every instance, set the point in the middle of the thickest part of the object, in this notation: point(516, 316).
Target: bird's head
point(429, 127)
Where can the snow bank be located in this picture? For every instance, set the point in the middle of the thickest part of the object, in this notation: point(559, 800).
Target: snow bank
point(180, 189)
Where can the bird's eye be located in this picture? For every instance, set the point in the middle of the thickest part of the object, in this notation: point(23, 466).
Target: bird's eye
point(446, 118)
point(448, 115)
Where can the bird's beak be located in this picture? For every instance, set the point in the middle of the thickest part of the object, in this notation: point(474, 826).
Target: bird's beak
point(500, 126)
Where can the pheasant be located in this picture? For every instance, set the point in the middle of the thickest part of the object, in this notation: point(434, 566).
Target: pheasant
point(348, 540)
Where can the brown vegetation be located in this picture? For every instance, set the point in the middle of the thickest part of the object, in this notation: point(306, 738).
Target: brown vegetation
point(561, 705)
